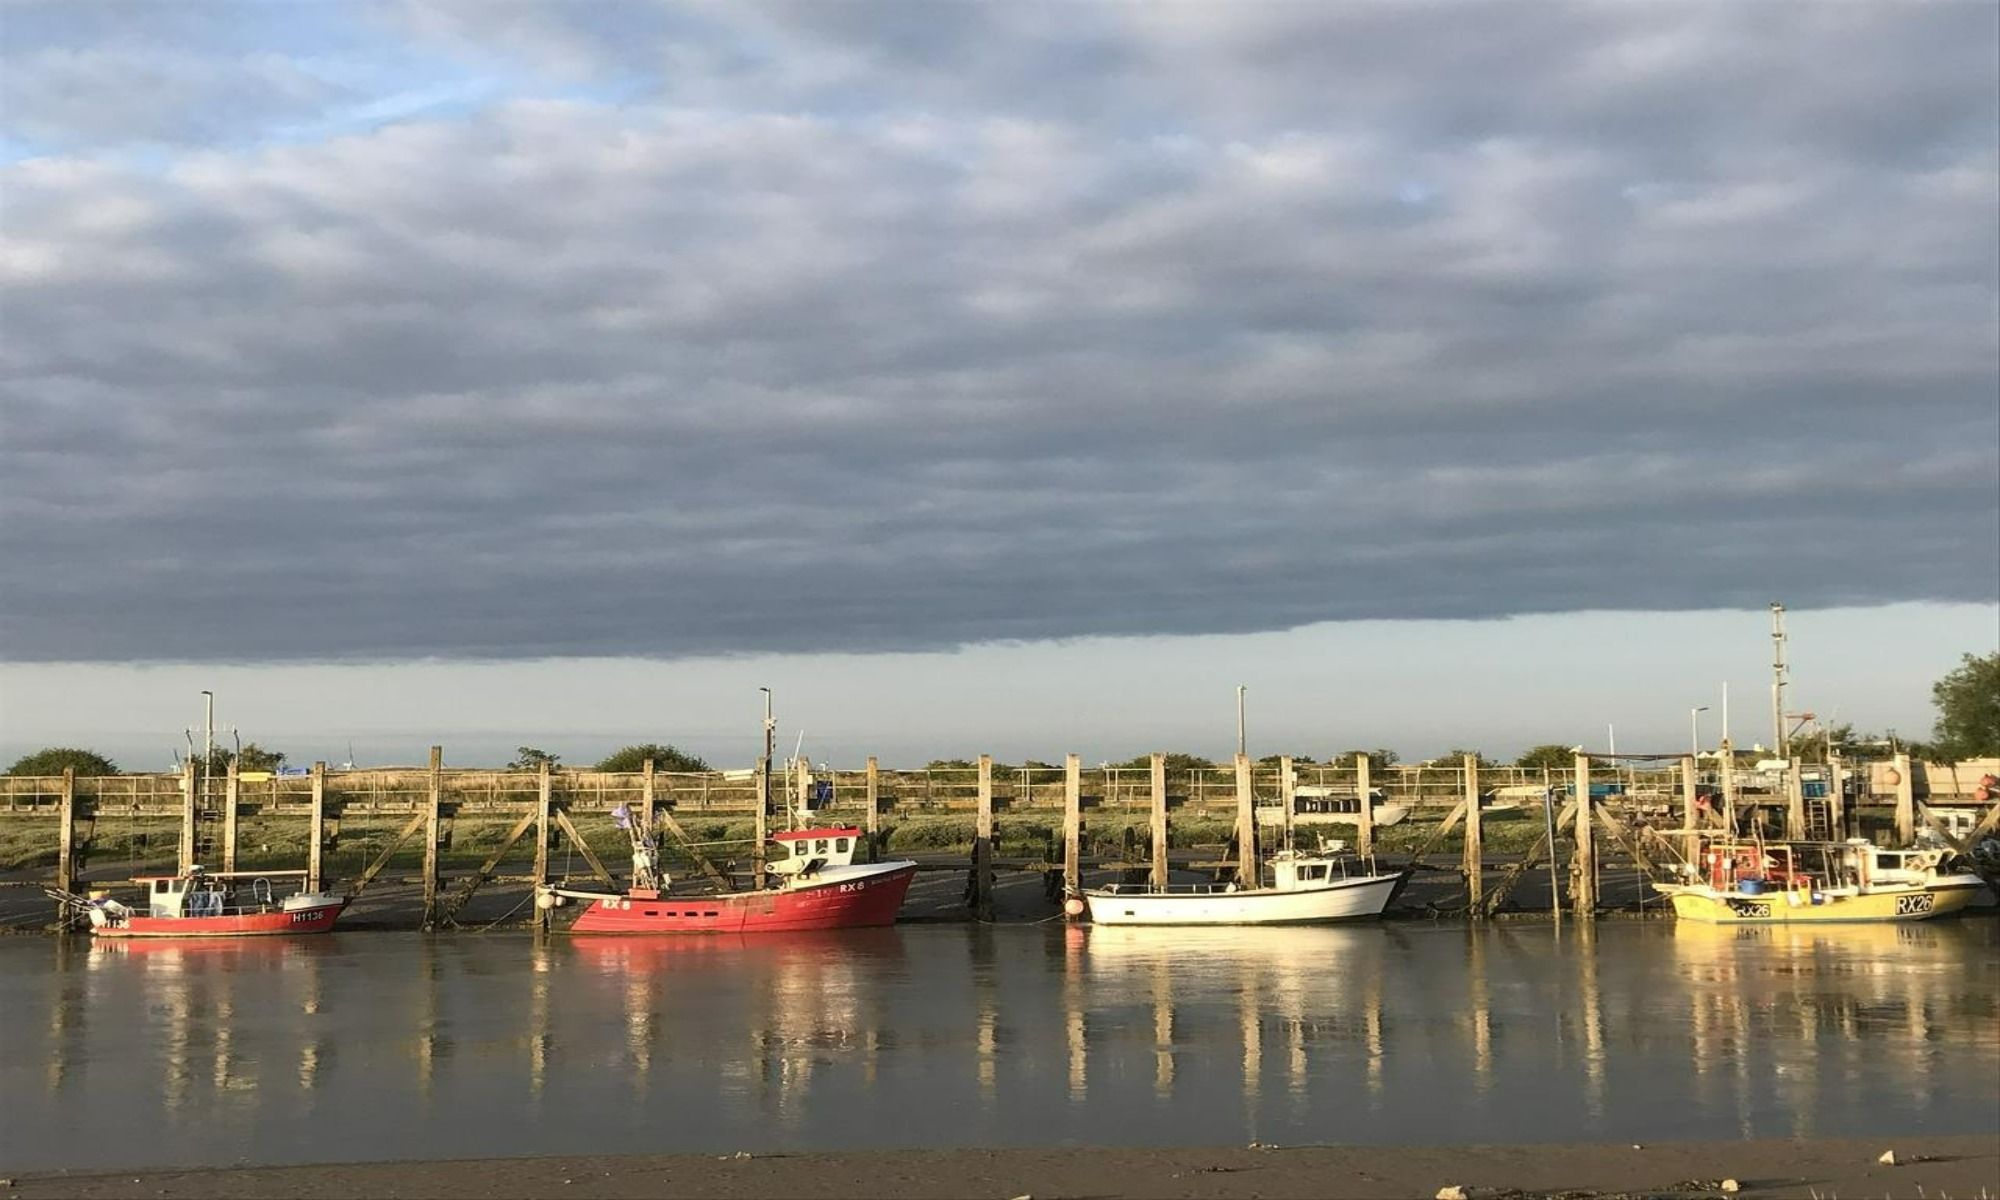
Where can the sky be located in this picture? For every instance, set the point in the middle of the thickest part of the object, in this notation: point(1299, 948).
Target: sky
point(1016, 377)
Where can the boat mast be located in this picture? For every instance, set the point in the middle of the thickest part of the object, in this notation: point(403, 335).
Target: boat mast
point(1780, 743)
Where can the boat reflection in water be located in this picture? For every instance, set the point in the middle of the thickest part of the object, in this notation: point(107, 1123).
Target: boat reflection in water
point(392, 1046)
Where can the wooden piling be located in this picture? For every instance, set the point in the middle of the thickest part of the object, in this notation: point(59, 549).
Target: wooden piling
point(1287, 797)
point(316, 843)
point(1474, 862)
point(1728, 764)
point(1159, 823)
point(982, 844)
point(1072, 824)
point(1795, 802)
point(190, 813)
point(1584, 890)
point(1246, 825)
point(1688, 811)
point(433, 806)
point(66, 836)
point(232, 798)
point(544, 803)
point(874, 807)
point(1364, 817)
point(762, 830)
point(1836, 795)
point(1906, 800)
point(648, 797)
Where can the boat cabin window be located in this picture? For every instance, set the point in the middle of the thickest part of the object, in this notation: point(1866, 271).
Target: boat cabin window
point(1316, 872)
point(1888, 862)
point(819, 847)
point(840, 845)
point(160, 887)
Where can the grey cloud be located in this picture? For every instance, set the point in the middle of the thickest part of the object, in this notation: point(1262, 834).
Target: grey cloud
point(1186, 320)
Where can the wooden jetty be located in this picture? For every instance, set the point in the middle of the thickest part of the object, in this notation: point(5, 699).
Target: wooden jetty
point(1635, 808)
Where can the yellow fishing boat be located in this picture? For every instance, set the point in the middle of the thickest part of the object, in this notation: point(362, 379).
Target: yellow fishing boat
point(1754, 882)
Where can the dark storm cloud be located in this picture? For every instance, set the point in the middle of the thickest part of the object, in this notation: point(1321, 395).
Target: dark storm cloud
point(877, 327)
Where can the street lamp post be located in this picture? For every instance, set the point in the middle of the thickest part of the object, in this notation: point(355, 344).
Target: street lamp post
point(1694, 728)
point(1239, 720)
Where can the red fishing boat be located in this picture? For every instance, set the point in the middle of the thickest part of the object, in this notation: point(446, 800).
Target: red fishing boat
point(200, 903)
point(818, 885)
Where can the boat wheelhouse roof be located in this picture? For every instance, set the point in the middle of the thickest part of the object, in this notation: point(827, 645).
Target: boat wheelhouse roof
point(200, 873)
point(802, 835)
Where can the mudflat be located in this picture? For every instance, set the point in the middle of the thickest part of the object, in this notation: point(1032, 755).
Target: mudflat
point(1958, 1167)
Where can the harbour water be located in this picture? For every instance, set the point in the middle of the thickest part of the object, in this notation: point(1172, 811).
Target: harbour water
point(386, 1046)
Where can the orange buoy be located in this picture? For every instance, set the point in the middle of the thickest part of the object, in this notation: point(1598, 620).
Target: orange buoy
point(1074, 907)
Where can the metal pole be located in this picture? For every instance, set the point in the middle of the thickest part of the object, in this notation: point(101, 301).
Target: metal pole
point(1780, 744)
point(208, 748)
point(1694, 729)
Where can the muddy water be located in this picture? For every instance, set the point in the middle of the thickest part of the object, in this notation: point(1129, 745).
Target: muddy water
point(376, 1046)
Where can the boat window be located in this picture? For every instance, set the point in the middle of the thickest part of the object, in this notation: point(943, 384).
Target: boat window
point(160, 886)
point(840, 844)
point(1312, 872)
point(819, 847)
point(1888, 862)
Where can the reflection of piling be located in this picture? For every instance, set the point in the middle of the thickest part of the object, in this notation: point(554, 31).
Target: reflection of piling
point(1159, 781)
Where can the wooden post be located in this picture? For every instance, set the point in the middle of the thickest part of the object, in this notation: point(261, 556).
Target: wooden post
point(1072, 825)
point(189, 813)
point(544, 801)
point(647, 797)
point(433, 804)
point(1584, 896)
point(232, 796)
point(982, 844)
point(1728, 788)
point(1906, 800)
point(1364, 818)
point(1475, 856)
point(1287, 796)
point(316, 847)
point(1836, 795)
point(1795, 802)
point(1246, 826)
point(1688, 824)
point(1159, 780)
point(801, 794)
point(762, 831)
point(874, 806)
point(66, 836)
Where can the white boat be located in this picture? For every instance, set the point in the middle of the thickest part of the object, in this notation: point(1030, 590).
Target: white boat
point(1305, 888)
point(1316, 805)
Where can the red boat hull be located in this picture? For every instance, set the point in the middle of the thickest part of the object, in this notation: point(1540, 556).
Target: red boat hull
point(262, 924)
point(855, 904)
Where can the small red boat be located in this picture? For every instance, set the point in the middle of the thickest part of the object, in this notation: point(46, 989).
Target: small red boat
point(819, 886)
point(202, 903)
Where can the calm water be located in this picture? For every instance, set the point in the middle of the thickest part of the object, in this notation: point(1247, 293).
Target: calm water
point(372, 1046)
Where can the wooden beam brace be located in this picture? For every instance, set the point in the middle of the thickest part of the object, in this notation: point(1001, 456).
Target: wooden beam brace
point(1930, 819)
point(1437, 835)
point(583, 847)
point(702, 861)
point(486, 869)
point(382, 860)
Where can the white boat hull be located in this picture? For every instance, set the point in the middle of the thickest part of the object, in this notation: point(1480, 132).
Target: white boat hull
point(1344, 899)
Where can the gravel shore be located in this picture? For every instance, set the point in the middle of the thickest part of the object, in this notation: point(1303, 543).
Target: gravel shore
point(1965, 1167)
